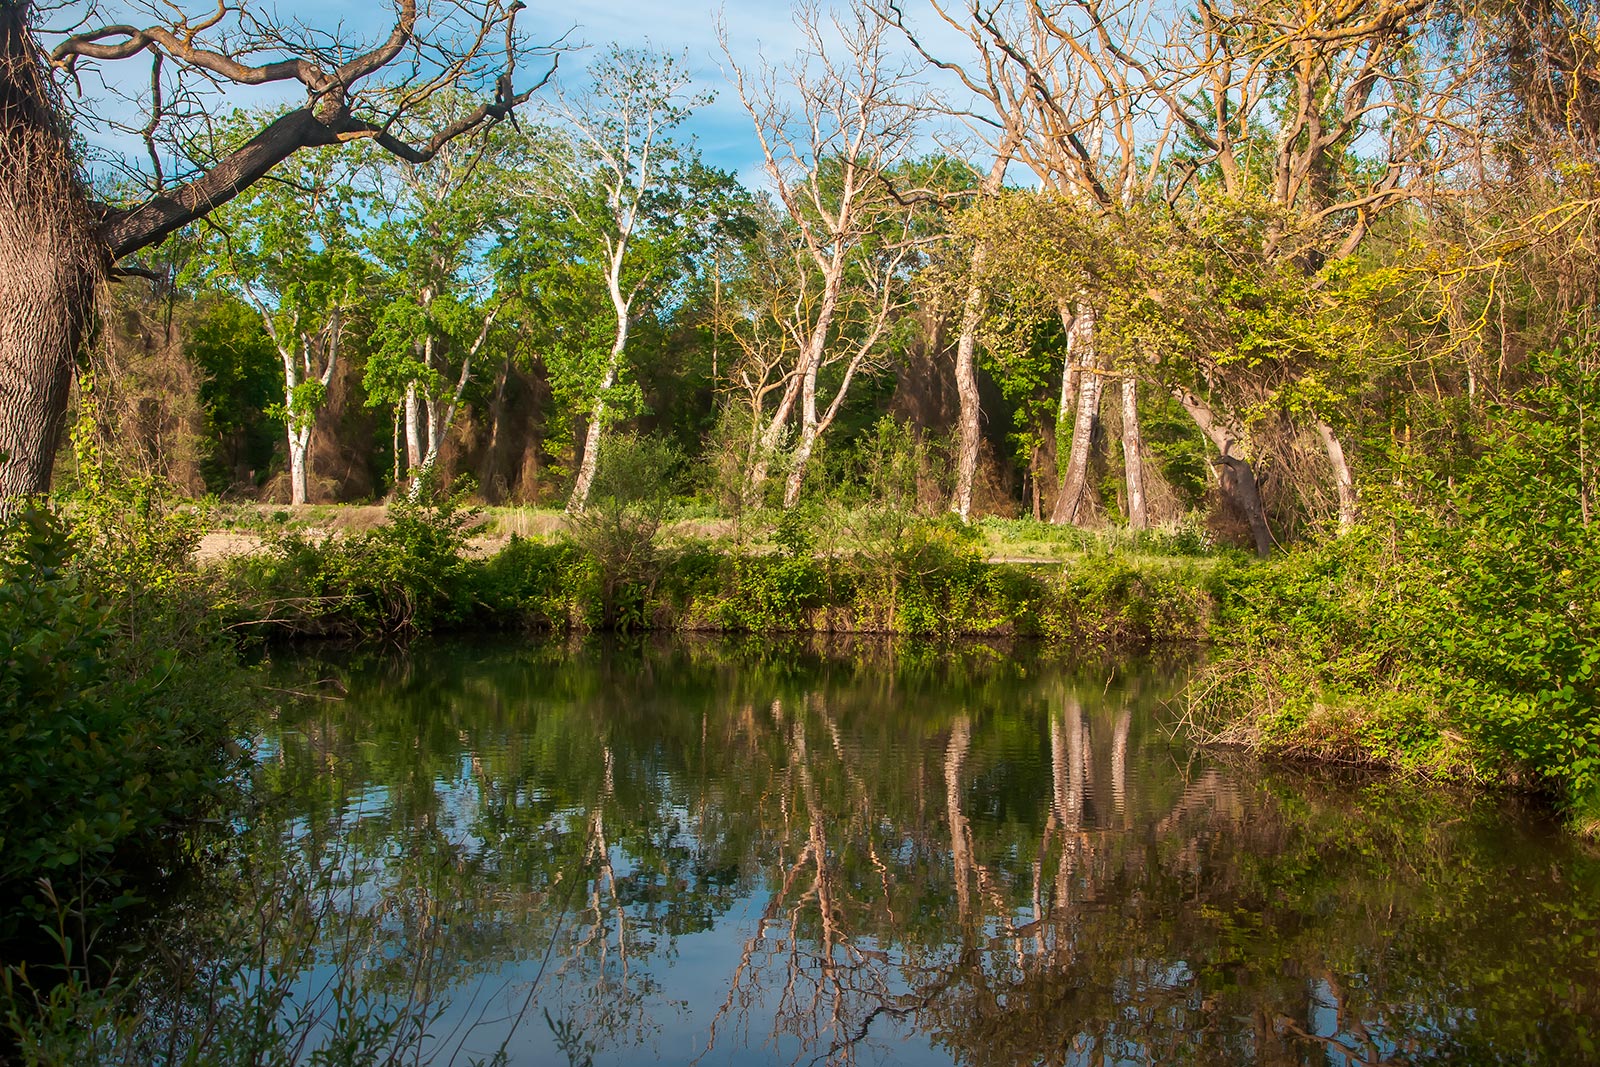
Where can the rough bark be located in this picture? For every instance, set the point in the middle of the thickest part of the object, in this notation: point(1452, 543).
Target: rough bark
point(53, 264)
point(1075, 481)
point(1234, 471)
point(969, 429)
point(1342, 478)
point(1132, 459)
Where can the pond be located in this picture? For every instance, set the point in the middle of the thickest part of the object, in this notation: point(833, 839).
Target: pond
point(721, 852)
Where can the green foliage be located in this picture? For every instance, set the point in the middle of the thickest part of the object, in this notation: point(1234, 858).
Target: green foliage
point(1458, 633)
point(937, 578)
point(137, 547)
point(529, 585)
point(617, 530)
point(243, 380)
point(114, 735)
point(408, 576)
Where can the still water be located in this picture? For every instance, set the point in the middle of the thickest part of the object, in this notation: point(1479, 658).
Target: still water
point(740, 853)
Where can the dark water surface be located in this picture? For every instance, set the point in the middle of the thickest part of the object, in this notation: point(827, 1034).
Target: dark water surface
point(732, 853)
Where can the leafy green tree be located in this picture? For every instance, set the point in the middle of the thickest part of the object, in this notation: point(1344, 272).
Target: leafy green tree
point(634, 207)
point(433, 229)
point(290, 249)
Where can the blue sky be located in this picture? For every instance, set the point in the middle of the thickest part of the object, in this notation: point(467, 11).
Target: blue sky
point(722, 128)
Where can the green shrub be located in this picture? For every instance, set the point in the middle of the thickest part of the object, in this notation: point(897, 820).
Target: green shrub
point(409, 576)
point(939, 580)
point(765, 594)
point(530, 585)
point(114, 737)
point(1458, 633)
point(618, 528)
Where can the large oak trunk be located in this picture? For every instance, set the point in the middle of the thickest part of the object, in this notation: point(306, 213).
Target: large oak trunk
point(53, 264)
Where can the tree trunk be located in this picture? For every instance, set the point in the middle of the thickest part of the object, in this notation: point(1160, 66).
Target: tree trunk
point(1075, 481)
point(808, 438)
point(298, 423)
point(297, 436)
point(1069, 366)
point(430, 447)
point(1132, 462)
point(413, 407)
point(766, 444)
point(299, 481)
point(622, 307)
point(53, 264)
point(1237, 476)
point(590, 461)
point(811, 362)
point(1342, 477)
point(967, 391)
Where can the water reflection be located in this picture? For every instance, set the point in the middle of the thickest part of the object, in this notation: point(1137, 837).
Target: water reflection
point(733, 853)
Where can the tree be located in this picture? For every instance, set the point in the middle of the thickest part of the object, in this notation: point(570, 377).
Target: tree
point(986, 79)
point(65, 242)
point(635, 200)
point(290, 248)
point(436, 222)
point(828, 163)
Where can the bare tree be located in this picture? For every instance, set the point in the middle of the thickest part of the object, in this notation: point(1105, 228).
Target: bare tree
point(828, 162)
point(64, 242)
point(988, 78)
point(1064, 105)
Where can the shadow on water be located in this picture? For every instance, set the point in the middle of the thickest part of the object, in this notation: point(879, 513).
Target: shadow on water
point(746, 852)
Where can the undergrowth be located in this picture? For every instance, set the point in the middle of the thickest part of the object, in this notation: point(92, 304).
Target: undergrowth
point(1456, 634)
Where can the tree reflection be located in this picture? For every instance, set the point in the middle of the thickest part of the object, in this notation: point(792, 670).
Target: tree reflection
point(1000, 857)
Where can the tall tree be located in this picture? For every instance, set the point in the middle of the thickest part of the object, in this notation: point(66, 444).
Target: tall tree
point(634, 197)
point(986, 78)
point(435, 225)
point(290, 248)
point(828, 161)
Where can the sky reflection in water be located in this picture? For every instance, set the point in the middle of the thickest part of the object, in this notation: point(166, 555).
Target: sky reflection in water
point(735, 852)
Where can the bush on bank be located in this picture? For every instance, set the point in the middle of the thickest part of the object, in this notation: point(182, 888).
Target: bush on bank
point(117, 725)
point(415, 576)
point(1458, 633)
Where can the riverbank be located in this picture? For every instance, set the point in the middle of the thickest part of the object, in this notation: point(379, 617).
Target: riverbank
point(1370, 649)
point(426, 570)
